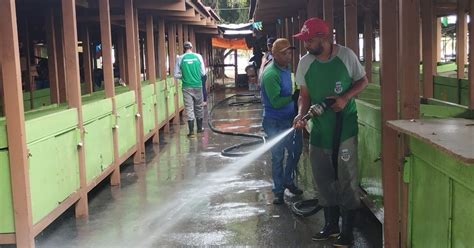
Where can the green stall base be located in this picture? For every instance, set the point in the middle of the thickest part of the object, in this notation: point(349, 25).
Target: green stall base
point(3, 133)
point(126, 121)
point(7, 222)
point(171, 95)
point(52, 139)
point(148, 107)
point(98, 136)
point(161, 101)
point(446, 89)
point(449, 223)
point(464, 92)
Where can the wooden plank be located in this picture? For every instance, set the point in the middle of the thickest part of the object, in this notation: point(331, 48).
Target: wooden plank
point(151, 71)
point(179, 5)
point(438, 41)
point(62, 86)
point(350, 25)
point(7, 238)
point(140, 155)
point(185, 33)
point(389, 81)
point(161, 49)
point(87, 60)
point(328, 13)
point(169, 13)
point(471, 58)
point(53, 215)
point(461, 36)
point(368, 50)
point(127, 155)
point(121, 55)
point(52, 57)
point(13, 101)
point(179, 29)
point(454, 136)
point(313, 8)
point(427, 23)
point(74, 93)
point(172, 61)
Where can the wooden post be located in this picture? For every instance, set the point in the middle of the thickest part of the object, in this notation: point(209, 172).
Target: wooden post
point(52, 57)
point(162, 62)
point(461, 36)
point(87, 60)
point(389, 81)
point(180, 38)
point(185, 33)
point(438, 40)
point(301, 20)
point(409, 69)
point(328, 12)
point(427, 22)
point(107, 67)
point(236, 67)
point(121, 55)
point(140, 156)
point(151, 69)
point(74, 92)
point(172, 56)
point(132, 73)
point(350, 24)
point(340, 35)
point(192, 35)
point(17, 149)
point(62, 86)
point(368, 37)
point(471, 57)
point(29, 78)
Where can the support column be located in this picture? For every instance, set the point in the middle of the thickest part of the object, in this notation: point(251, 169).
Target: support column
point(87, 60)
point(340, 35)
point(107, 68)
point(185, 33)
point(29, 78)
point(151, 70)
point(52, 55)
point(314, 8)
point(409, 69)
point(179, 29)
point(121, 56)
point(172, 62)
point(74, 92)
point(141, 134)
point(389, 80)
point(62, 86)
point(328, 13)
point(14, 111)
point(427, 22)
point(132, 73)
point(471, 57)
point(368, 37)
point(438, 40)
point(162, 63)
point(350, 24)
point(461, 37)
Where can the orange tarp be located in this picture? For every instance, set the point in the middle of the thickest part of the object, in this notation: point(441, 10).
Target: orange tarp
point(229, 43)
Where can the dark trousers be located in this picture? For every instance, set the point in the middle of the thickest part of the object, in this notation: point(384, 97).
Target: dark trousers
point(204, 90)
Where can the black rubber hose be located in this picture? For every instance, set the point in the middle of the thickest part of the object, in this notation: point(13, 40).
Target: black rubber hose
point(228, 151)
point(306, 208)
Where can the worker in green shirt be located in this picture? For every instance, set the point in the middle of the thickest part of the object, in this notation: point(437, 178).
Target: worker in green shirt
point(331, 71)
point(278, 114)
point(190, 69)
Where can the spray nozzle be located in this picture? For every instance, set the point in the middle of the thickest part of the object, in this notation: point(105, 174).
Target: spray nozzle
point(319, 108)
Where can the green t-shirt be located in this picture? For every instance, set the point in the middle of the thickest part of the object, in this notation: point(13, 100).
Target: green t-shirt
point(330, 78)
point(190, 68)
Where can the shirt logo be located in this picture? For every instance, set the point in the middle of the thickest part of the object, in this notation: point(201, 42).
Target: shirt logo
point(345, 155)
point(338, 89)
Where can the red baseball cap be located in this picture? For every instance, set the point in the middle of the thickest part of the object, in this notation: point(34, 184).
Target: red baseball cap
point(313, 27)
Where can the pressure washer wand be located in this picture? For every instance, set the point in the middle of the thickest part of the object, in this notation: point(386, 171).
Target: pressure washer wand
point(319, 108)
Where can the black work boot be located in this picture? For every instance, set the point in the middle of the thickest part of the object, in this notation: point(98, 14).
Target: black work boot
point(191, 129)
point(278, 198)
point(346, 238)
point(331, 226)
point(293, 189)
point(199, 125)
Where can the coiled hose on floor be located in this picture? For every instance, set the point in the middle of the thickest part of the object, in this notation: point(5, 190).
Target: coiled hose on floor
point(229, 151)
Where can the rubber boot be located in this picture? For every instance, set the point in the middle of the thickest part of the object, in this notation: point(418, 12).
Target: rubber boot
point(199, 125)
point(191, 129)
point(346, 238)
point(331, 227)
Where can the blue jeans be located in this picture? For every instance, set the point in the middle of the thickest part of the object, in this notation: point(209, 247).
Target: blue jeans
point(292, 143)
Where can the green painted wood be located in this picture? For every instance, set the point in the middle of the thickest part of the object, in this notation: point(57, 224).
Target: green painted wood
point(3, 133)
point(94, 109)
point(170, 96)
point(161, 101)
point(463, 217)
point(126, 132)
point(98, 145)
point(148, 113)
point(368, 114)
point(42, 124)
point(53, 168)
point(430, 225)
point(180, 94)
point(124, 99)
point(7, 223)
point(147, 90)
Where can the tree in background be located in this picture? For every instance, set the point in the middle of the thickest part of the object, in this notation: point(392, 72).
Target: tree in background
point(231, 11)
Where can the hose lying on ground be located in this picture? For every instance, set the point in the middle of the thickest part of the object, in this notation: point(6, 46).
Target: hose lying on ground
point(228, 151)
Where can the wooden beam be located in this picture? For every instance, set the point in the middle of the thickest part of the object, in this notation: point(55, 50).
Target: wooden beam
point(97, 19)
point(74, 93)
point(389, 79)
point(170, 13)
point(471, 58)
point(185, 33)
point(350, 24)
point(206, 30)
point(427, 22)
point(15, 120)
point(328, 13)
point(438, 41)
point(161, 5)
point(368, 37)
point(7, 238)
point(461, 36)
point(87, 59)
point(139, 157)
point(409, 69)
point(52, 57)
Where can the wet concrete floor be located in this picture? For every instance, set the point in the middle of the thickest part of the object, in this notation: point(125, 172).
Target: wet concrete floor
point(187, 195)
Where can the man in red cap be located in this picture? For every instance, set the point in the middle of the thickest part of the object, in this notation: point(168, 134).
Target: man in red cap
point(331, 71)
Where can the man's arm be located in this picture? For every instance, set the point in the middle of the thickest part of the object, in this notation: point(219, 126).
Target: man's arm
point(177, 68)
point(303, 107)
point(203, 66)
point(355, 89)
point(271, 83)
